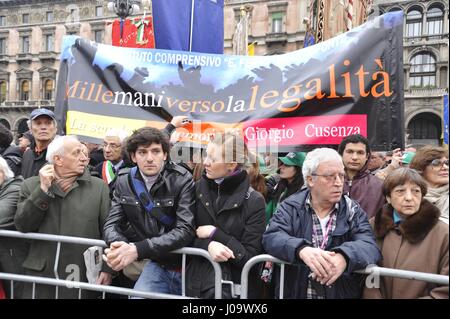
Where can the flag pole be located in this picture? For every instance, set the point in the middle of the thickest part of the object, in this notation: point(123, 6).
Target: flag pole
point(192, 25)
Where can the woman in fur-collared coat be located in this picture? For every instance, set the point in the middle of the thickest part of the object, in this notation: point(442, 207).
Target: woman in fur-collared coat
point(411, 237)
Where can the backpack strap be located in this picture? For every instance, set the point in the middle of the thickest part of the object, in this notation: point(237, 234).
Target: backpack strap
point(146, 201)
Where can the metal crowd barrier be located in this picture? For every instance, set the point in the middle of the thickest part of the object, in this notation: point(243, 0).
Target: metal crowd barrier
point(375, 270)
point(105, 289)
point(241, 289)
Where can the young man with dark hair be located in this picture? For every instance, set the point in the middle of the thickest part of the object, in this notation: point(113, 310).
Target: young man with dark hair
point(151, 214)
point(360, 185)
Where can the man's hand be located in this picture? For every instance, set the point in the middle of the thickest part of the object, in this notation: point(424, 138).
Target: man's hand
point(397, 158)
point(179, 121)
point(219, 252)
point(339, 265)
point(120, 255)
point(205, 231)
point(317, 260)
point(104, 278)
point(46, 176)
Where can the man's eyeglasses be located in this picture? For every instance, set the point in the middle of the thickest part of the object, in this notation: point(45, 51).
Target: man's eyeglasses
point(436, 163)
point(111, 146)
point(331, 177)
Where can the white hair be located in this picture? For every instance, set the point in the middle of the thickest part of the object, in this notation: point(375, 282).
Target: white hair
point(5, 168)
point(56, 147)
point(317, 156)
point(121, 134)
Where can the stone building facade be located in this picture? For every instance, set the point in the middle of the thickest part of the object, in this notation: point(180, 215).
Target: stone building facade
point(31, 33)
point(425, 62)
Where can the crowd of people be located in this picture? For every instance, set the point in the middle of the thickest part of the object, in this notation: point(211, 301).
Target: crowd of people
point(328, 213)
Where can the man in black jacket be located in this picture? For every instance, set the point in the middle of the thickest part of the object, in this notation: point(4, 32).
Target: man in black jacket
point(43, 128)
point(151, 213)
point(322, 232)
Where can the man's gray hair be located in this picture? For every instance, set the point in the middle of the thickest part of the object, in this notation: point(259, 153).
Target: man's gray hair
point(5, 168)
point(56, 147)
point(317, 156)
point(121, 134)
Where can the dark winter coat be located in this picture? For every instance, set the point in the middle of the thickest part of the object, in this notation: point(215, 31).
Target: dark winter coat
point(237, 212)
point(174, 193)
point(291, 228)
point(32, 162)
point(80, 212)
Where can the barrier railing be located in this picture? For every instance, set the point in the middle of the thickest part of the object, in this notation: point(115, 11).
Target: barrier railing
point(85, 286)
point(95, 242)
point(370, 270)
point(242, 288)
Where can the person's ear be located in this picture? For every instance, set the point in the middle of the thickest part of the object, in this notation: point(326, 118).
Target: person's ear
point(58, 160)
point(309, 181)
point(133, 158)
point(388, 199)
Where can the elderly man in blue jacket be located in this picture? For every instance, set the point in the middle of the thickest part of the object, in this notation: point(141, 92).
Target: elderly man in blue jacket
point(322, 233)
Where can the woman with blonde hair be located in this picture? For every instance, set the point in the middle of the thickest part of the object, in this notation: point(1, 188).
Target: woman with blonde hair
point(229, 217)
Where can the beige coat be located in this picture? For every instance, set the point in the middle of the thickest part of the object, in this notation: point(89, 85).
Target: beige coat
point(420, 243)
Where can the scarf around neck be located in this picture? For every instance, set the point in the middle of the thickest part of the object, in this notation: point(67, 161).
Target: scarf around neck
point(65, 181)
point(439, 198)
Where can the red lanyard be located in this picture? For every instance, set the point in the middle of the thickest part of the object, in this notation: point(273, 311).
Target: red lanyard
point(327, 233)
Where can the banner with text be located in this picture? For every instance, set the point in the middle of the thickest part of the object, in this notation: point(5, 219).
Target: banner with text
point(352, 83)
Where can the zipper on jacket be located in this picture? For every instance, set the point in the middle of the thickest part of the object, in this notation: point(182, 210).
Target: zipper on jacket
point(349, 187)
point(218, 198)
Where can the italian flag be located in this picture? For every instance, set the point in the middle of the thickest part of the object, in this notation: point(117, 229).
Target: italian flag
point(108, 172)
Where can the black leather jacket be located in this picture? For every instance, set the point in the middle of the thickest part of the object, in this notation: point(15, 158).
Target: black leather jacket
point(174, 193)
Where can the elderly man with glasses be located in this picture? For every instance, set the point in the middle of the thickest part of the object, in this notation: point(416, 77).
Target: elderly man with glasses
point(324, 234)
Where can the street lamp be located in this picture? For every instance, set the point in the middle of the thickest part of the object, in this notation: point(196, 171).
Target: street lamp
point(124, 8)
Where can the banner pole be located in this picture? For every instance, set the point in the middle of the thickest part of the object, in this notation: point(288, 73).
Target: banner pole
point(192, 25)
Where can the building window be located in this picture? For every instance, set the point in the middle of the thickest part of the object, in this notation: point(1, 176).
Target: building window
point(48, 42)
point(99, 11)
point(98, 36)
point(423, 71)
point(49, 16)
point(2, 91)
point(414, 23)
point(425, 126)
point(435, 19)
point(2, 45)
point(25, 90)
point(25, 18)
point(25, 43)
point(2, 21)
point(277, 22)
point(48, 90)
point(73, 15)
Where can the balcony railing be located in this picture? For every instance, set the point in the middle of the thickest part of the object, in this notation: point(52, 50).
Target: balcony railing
point(425, 92)
point(280, 37)
point(48, 55)
point(24, 57)
point(29, 103)
point(4, 58)
point(425, 38)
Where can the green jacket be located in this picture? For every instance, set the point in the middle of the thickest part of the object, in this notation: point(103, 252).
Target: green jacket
point(9, 195)
point(80, 212)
